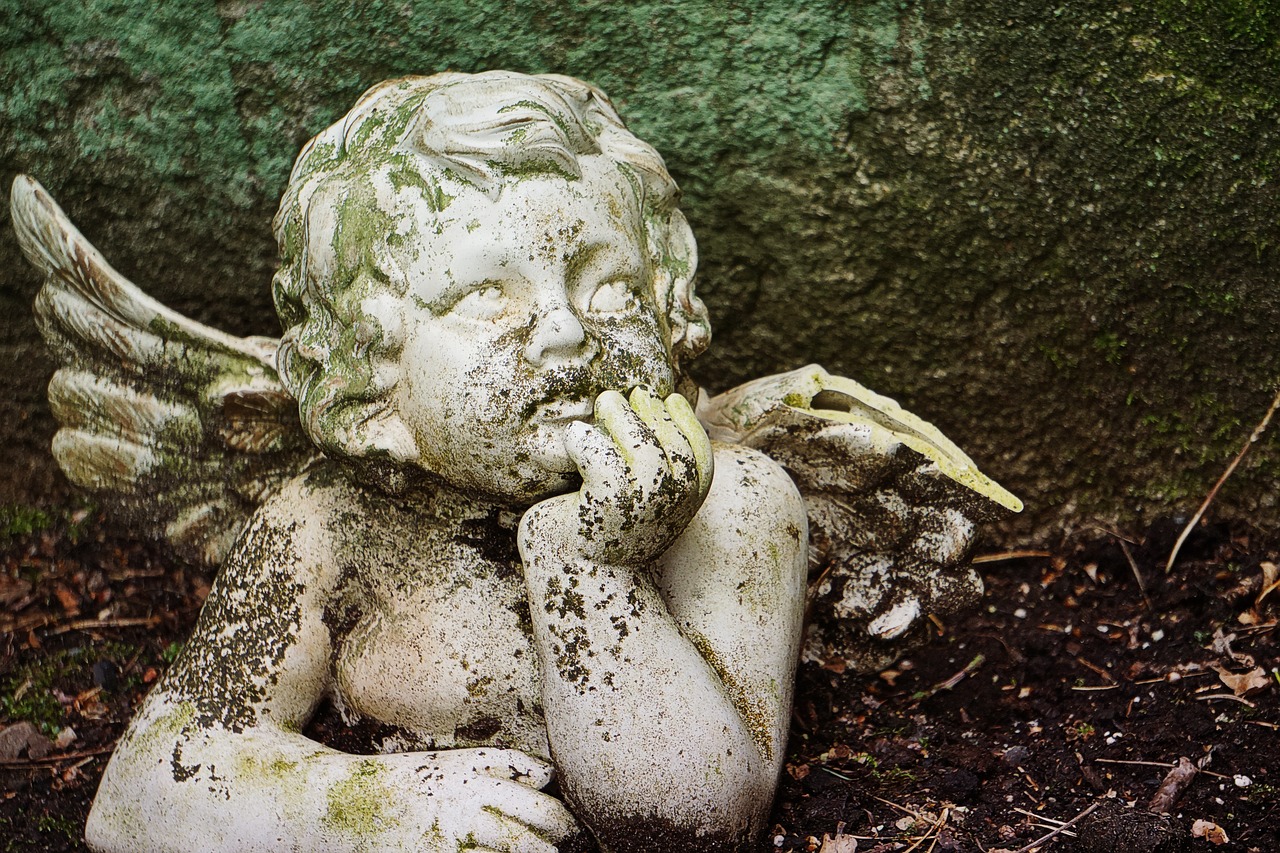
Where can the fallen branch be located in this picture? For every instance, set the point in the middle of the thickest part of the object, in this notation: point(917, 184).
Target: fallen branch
point(1009, 555)
point(970, 668)
point(58, 759)
point(1213, 493)
point(1137, 574)
point(1164, 764)
point(1052, 835)
point(95, 624)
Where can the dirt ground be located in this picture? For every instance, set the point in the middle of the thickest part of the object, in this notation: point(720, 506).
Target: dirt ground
point(1073, 689)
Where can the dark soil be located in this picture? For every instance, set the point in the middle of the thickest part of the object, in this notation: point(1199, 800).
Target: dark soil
point(1068, 690)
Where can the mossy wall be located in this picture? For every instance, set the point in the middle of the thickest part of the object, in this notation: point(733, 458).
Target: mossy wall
point(1049, 228)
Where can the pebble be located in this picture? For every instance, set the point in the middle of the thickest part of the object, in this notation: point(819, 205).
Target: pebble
point(1015, 756)
point(106, 675)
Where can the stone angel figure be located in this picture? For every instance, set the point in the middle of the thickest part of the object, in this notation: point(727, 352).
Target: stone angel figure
point(466, 496)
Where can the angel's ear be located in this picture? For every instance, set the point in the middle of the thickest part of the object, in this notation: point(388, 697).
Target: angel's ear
point(362, 430)
point(387, 435)
point(690, 323)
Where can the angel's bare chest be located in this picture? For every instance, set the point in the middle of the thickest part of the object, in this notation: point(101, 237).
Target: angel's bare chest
point(435, 641)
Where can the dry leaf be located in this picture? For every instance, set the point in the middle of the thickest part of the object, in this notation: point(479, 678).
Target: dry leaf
point(1244, 684)
point(1172, 787)
point(70, 603)
point(1249, 617)
point(840, 843)
point(1270, 580)
point(1209, 831)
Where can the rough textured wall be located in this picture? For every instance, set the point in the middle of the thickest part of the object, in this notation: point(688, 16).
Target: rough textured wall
point(1051, 229)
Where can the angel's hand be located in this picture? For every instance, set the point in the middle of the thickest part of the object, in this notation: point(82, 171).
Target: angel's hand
point(477, 799)
point(646, 468)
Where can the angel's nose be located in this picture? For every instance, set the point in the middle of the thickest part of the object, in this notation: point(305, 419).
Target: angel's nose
point(557, 333)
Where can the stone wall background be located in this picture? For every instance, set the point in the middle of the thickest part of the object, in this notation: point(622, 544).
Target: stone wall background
point(1049, 228)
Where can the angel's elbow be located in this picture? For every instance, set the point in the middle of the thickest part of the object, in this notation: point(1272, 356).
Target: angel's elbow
point(118, 821)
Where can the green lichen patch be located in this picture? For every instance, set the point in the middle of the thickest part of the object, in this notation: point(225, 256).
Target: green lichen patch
point(358, 803)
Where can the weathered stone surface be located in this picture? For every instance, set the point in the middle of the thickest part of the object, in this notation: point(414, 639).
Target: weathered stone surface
point(1050, 230)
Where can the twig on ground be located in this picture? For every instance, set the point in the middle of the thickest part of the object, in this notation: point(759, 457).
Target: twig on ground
point(1095, 668)
point(1233, 697)
point(931, 832)
point(1059, 831)
point(1213, 493)
point(1114, 534)
point(1010, 555)
point(1137, 574)
point(970, 668)
point(1164, 764)
point(902, 809)
point(58, 759)
point(1044, 821)
point(91, 624)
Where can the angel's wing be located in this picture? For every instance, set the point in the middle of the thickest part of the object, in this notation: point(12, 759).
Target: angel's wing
point(182, 428)
point(892, 508)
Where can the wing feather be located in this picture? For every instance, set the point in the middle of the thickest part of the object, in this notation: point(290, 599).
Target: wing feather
point(183, 429)
point(892, 507)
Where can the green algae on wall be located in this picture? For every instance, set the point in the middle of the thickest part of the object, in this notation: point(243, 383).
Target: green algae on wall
point(1048, 228)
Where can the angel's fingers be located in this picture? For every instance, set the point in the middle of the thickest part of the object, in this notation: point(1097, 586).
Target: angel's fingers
point(495, 830)
point(686, 421)
point(597, 457)
point(513, 765)
point(635, 440)
point(542, 813)
point(679, 452)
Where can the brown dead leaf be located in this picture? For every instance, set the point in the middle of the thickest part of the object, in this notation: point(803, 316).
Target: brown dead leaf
point(1244, 684)
point(1172, 787)
point(69, 600)
point(1209, 831)
point(1270, 581)
point(1250, 617)
point(12, 590)
point(839, 843)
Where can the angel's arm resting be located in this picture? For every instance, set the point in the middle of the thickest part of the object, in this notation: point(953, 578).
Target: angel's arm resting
point(667, 688)
point(215, 761)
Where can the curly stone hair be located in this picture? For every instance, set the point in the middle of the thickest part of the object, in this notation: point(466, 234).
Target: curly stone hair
point(337, 291)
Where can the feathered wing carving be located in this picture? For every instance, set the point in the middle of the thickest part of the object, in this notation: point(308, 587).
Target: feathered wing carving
point(892, 508)
point(181, 428)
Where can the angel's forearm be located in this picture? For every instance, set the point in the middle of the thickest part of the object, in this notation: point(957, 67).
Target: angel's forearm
point(217, 790)
point(634, 711)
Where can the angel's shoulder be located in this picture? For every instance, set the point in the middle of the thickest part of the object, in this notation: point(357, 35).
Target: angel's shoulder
point(302, 528)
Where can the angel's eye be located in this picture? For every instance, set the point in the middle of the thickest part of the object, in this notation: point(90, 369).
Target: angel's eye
point(480, 304)
point(614, 297)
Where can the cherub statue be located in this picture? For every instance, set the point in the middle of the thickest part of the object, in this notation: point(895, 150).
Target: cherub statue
point(466, 497)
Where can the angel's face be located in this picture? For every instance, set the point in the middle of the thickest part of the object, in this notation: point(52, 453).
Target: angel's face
point(521, 311)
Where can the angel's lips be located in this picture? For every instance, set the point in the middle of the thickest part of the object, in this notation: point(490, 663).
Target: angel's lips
point(550, 422)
